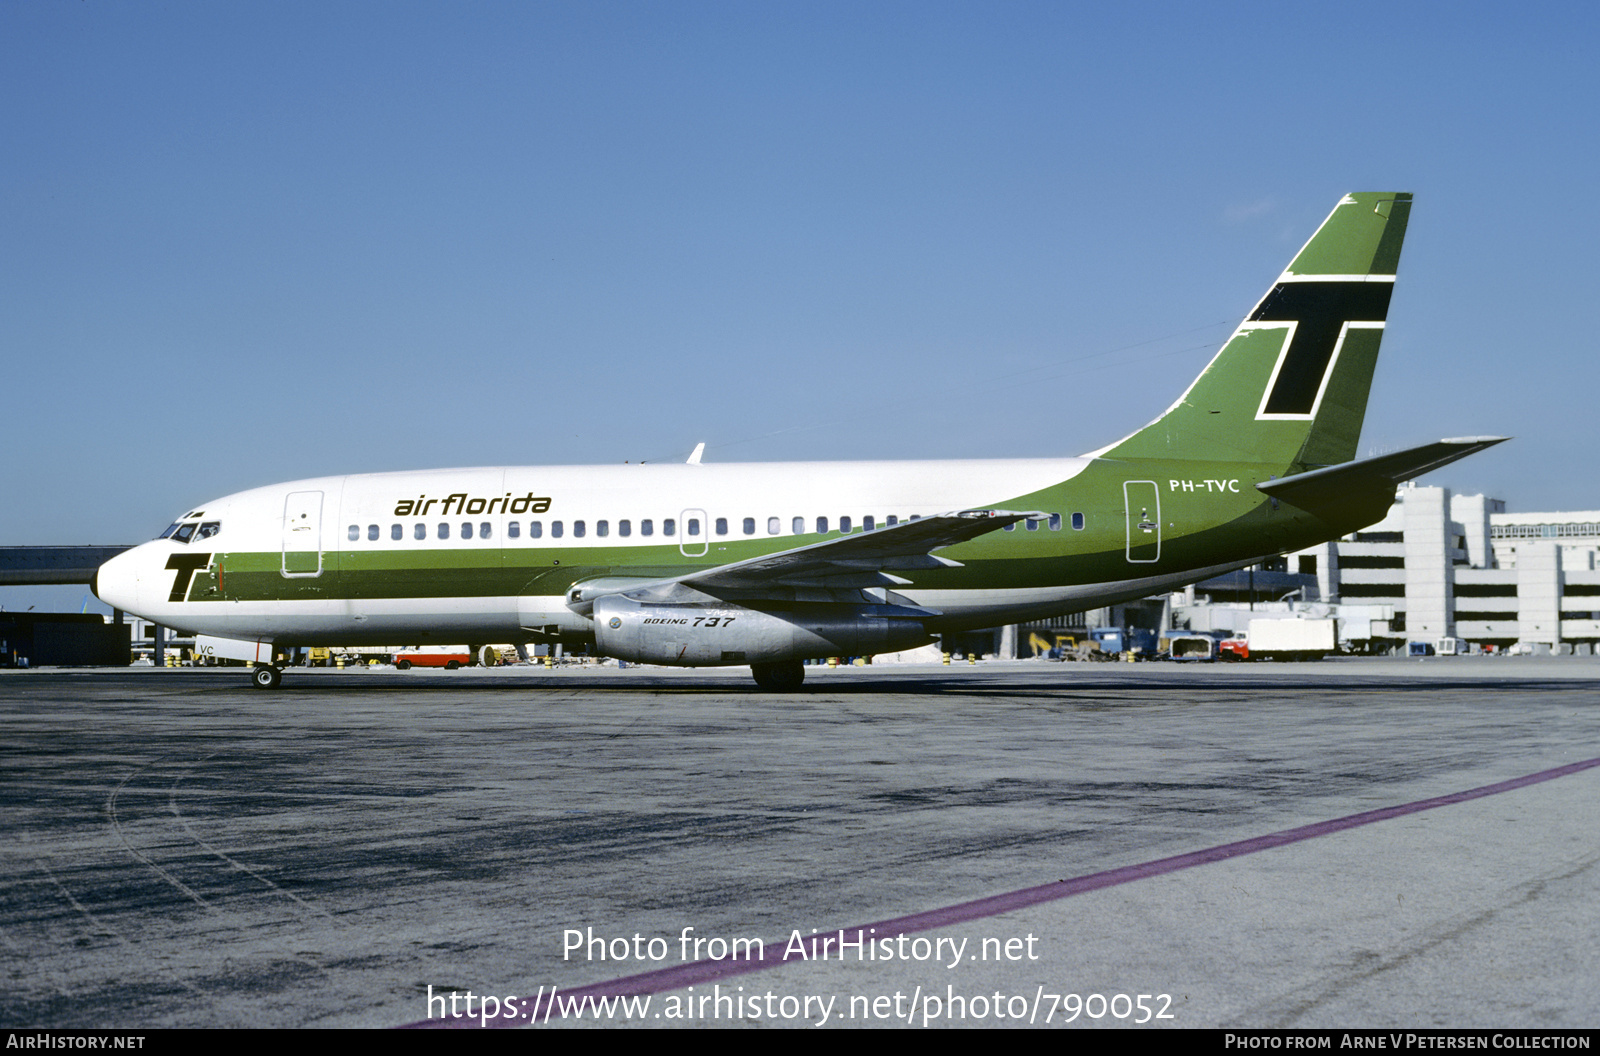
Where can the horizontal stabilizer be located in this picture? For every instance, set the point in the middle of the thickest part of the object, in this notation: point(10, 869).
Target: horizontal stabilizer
point(1334, 486)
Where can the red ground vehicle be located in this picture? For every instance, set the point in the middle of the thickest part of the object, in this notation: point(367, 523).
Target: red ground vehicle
point(1234, 648)
point(448, 661)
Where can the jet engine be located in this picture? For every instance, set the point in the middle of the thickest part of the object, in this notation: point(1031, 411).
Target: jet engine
point(712, 633)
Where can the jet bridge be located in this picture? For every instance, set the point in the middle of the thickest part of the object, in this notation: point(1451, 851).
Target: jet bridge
point(35, 566)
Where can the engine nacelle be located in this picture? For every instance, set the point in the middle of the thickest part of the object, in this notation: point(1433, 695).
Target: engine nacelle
point(712, 634)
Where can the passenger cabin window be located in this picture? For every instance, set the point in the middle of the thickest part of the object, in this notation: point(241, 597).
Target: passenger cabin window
point(1077, 522)
point(648, 527)
point(799, 526)
point(602, 528)
point(419, 531)
point(749, 526)
point(579, 529)
point(822, 526)
point(669, 527)
point(372, 533)
point(466, 530)
point(354, 533)
point(892, 520)
point(722, 526)
point(444, 530)
point(397, 532)
point(485, 529)
point(1031, 524)
point(844, 526)
point(555, 529)
point(535, 529)
point(624, 528)
point(1055, 522)
point(513, 529)
point(868, 523)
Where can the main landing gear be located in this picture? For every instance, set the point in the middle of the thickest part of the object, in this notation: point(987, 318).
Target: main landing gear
point(782, 676)
point(265, 676)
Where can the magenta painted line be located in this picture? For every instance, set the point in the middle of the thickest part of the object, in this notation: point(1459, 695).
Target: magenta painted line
point(542, 1007)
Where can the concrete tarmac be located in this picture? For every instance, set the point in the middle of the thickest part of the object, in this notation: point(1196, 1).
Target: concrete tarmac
point(177, 849)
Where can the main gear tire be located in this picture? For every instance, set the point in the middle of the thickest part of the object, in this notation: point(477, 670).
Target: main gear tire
point(781, 676)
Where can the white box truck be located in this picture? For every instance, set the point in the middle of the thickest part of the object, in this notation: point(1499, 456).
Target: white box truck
point(1293, 639)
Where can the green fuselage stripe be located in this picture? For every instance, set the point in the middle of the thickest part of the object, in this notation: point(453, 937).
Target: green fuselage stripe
point(1209, 514)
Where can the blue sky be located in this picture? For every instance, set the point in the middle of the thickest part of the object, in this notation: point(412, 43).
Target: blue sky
point(245, 243)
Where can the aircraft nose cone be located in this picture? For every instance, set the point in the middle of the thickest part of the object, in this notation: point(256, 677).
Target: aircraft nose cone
point(117, 581)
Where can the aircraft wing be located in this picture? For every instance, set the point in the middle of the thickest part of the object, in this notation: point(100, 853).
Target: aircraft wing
point(846, 562)
point(849, 560)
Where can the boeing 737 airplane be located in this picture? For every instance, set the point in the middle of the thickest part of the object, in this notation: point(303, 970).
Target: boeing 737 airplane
point(771, 564)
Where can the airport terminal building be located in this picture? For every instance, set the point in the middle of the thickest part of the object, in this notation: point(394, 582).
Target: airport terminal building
point(1460, 566)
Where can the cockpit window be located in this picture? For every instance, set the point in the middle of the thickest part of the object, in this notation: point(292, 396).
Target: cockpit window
point(184, 529)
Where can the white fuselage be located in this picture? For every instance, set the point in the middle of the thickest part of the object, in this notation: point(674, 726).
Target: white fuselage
point(320, 533)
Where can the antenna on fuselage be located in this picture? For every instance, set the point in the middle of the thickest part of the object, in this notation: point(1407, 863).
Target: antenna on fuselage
point(699, 449)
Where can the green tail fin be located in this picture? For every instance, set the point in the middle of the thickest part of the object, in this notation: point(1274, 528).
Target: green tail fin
point(1290, 386)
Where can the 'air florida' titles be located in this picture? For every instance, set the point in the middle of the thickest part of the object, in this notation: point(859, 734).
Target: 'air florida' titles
point(460, 503)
